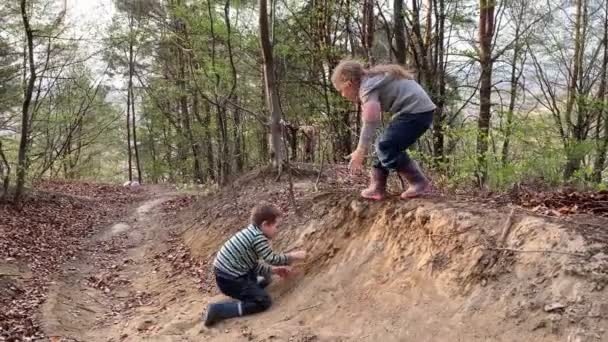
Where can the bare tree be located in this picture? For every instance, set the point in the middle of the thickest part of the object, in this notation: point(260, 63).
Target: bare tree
point(520, 10)
point(5, 172)
point(27, 99)
point(602, 119)
point(272, 99)
point(486, 32)
point(399, 23)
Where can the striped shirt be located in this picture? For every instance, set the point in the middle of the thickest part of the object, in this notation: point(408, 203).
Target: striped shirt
point(243, 251)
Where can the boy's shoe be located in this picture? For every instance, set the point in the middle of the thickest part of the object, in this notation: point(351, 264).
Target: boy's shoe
point(377, 185)
point(221, 311)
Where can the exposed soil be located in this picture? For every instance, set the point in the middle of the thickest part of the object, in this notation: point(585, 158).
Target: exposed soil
point(430, 269)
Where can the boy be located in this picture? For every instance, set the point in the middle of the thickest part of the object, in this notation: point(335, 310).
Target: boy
point(240, 274)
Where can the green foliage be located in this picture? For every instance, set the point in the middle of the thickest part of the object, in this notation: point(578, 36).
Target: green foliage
point(75, 132)
point(9, 79)
point(536, 155)
point(191, 109)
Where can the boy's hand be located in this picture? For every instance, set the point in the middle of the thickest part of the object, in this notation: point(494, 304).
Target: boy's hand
point(282, 271)
point(297, 255)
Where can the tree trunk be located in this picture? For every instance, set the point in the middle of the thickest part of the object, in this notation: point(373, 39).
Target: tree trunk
point(573, 160)
point(514, 86)
point(439, 62)
point(134, 127)
point(5, 173)
point(196, 144)
point(183, 104)
point(25, 116)
point(205, 123)
point(400, 48)
point(209, 139)
point(239, 148)
point(263, 142)
point(510, 110)
point(368, 30)
point(428, 41)
point(197, 170)
point(131, 97)
point(600, 160)
point(129, 154)
point(272, 99)
point(153, 153)
point(223, 150)
point(486, 32)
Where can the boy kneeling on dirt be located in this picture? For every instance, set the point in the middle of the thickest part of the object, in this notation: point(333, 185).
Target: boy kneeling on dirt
point(240, 274)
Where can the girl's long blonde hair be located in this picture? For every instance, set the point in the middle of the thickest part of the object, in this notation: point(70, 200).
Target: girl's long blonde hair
point(353, 71)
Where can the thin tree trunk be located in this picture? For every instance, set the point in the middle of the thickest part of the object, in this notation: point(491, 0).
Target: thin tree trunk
point(129, 151)
point(486, 32)
point(223, 157)
point(515, 76)
point(350, 40)
point(573, 162)
point(223, 153)
point(209, 139)
point(183, 101)
point(272, 99)
point(25, 118)
point(368, 30)
point(130, 158)
point(400, 48)
point(600, 160)
point(132, 99)
point(134, 127)
point(197, 148)
point(153, 153)
point(239, 148)
point(5, 173)
point(198, 171)
point(239, 154)
point(205, 123)
point(438, 115)
point(428, 41)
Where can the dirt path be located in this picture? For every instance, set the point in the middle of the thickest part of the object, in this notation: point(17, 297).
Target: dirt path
point(115, 290)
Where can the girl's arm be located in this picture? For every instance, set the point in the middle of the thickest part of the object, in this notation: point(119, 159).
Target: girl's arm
point(370, 117)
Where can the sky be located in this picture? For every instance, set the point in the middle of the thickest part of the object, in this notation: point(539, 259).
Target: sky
point(90, 12)
point(89, 19)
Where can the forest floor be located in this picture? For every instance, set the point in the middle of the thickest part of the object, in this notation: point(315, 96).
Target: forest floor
point(91, 262)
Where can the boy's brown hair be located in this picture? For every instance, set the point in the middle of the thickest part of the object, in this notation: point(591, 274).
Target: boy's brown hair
point(264, 213)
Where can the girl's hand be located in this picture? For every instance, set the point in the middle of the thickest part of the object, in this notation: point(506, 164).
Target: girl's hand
point(282, 271)
point(356, 161)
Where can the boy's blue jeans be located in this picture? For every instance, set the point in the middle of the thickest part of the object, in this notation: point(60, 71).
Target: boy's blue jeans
point(401, 133)
point(247, 289)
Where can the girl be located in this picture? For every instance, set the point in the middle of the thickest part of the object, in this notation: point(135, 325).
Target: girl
point(387, 88)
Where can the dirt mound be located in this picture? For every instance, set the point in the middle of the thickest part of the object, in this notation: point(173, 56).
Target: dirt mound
point(429, 269)
point(421, 270)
